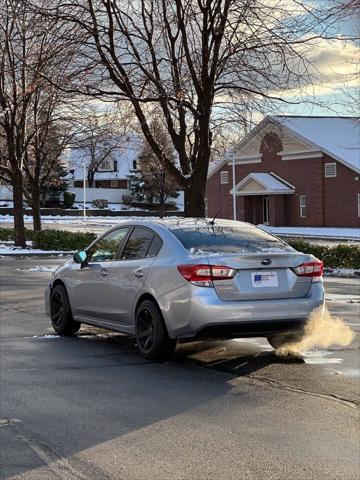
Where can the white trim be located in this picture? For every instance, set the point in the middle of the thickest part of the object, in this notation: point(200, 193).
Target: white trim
point(262, 192)
point(246, 159)
point(358, 198)
point(300, 155)
point(282, 180)
point(267, 191)
point(333, 170)
point(245, 162)
point(256, 156)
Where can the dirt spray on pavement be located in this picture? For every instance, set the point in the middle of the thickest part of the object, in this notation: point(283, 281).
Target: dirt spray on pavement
point(321, 330)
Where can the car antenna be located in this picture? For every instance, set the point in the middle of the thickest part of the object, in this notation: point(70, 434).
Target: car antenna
point(212, 222)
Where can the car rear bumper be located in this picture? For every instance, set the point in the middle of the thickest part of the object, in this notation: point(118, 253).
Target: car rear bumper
point(203, 314)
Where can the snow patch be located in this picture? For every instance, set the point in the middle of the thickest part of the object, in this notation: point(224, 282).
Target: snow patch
point(48, 337)
point(319, 357)
point(38, 268)
point(313, 232)
point(12, 250)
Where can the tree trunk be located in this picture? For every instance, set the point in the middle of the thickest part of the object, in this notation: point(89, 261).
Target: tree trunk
point(194, 199)
point(19, 226)
point(194, 194)
point(161, 208)
point(90, 177)
point(36, 210)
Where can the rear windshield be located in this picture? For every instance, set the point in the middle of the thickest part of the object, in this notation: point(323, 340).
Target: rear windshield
point(224, 239)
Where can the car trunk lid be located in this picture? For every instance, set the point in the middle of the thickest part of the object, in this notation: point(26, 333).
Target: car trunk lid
point(260, 276)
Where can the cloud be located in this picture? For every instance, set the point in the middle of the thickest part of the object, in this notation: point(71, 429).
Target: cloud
point(334, 66)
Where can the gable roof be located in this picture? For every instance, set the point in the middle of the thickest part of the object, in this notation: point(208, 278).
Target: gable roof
point(262, 183)
point(339, 137)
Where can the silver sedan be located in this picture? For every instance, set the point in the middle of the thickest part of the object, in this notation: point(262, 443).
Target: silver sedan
point(186, 279)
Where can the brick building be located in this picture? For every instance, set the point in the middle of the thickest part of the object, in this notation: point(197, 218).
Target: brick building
point(292, 171)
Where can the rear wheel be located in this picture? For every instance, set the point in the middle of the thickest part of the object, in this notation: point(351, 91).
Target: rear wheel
point(281, 339)
point(60, 312)
point(151, 334)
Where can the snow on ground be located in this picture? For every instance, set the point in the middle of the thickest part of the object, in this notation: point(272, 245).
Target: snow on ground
point(314, 232)
point(78, 219)
point(50, 337)
point(38, 268)
point(342, 272)
point(9, 249)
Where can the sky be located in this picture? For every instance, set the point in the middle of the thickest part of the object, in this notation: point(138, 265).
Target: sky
point(338, 65)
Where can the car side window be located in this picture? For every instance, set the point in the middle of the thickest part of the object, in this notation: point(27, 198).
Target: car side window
point(138, 244)
point(155, 246)
point(107, 247)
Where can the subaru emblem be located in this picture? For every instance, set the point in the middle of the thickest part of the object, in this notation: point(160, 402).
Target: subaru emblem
point(266, 261)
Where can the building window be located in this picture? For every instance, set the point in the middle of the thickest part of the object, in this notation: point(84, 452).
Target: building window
point(224, 177)
point(330, 170)
point(113, 183)
point(107, 165)
point(302, 200)
point(134, 165)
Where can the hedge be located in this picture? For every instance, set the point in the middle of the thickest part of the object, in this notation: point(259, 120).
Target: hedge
point(344, 255)
point(53, 239)
point(7, 234)
point(62, 240)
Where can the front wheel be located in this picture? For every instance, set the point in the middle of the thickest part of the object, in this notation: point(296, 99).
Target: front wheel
point(60, 312)
point(152, 338)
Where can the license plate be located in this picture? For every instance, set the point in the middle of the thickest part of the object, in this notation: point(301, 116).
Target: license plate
point(264, 279)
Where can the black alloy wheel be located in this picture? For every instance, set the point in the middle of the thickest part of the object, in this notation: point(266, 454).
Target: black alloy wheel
point(151, 334)
point(60, 312)
point(146, 329)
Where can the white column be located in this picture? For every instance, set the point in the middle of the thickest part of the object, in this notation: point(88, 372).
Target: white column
point(84, 191)
point(234, 184)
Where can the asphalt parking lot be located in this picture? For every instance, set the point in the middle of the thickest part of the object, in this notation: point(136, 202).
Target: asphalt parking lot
point(89, 407)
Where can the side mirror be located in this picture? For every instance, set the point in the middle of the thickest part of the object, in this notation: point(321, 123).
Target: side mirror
point(80, 257)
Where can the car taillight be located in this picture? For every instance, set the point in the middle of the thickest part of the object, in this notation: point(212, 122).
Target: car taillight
point(204, 275)
point(310, 269)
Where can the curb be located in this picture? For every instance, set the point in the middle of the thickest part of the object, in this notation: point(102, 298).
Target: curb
point(34, 254)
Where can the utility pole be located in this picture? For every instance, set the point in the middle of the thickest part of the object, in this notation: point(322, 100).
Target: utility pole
point(84, 190)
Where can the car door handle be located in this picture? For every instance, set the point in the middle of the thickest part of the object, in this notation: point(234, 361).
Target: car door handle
point(104, 273)
point(138, 273)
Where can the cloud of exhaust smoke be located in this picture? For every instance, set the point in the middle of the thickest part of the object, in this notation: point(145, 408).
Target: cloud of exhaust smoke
point(321, 330)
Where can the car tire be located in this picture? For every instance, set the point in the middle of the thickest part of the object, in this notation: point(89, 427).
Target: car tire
point(280, 339)
point(60, 312)
point(152, 338)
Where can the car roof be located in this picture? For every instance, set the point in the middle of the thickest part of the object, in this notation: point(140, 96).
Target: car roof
point(183, 223)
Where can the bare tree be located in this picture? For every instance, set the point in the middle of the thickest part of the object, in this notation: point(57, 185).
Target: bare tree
point(153, 179)
point(192, 60)
point(99, 133)
point(31, 52)
point(43, 157)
